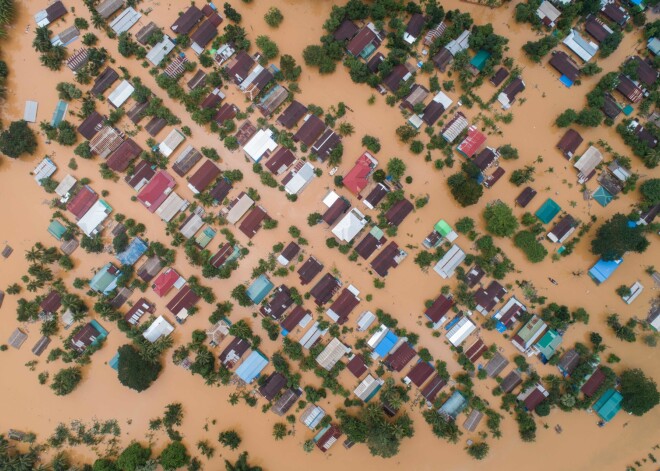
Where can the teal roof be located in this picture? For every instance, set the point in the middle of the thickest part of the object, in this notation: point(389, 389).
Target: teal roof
point(204, 238)
point(608, 405)
point(549, 343)
point(259, 289)
point(480, 59)
point(56, 229)
point(602, 196)
point(454, 405)
point(548, 211)
point(105, 279)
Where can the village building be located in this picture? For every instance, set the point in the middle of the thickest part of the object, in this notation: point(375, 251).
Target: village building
point(608, 405)
point(365, 42)
point(187, 20)
point(218, 331)
point(312, 415)
point(419, 373)
point(122, 157)
point(434, 33)
point(308, 270)
point(399, 75)
point(325, 289)
point(125, 20)
point(486, 299)
point(357, 178)
point(476, 350)
point(298, 317)
point(251, 367)
point(582, 48)
point(432, 388)
point(357, 366)
point(203, 177)
point(399, 358)
point(529, 334)
point(45, 169)
point(437, 312)
point(508, 96)
point(292, 114)
point(615, 12)
point(472, 142)
point(280, 161)
point(375, 196)
point(177, 67)
point(509, 314)
point(82, 201)
point(566, 66)
point(414, 28)
point(325, 144)
point(172, 205)
point(91, 222)
point(646, 72)
point(310, 130)
point(233, 352)
point(53, 12)
point(143, 35)
point(197, 81)
point(65, 186)
point(160, 51)
point(139, 309)
point(259, 289)
point(252, 221)
point(87, 336)
point(154, 193)
point(159, 328)
point(569, 143)
point(568, 362)
point(104, 81)
point(603, 269)
point(390, 257)
point(238, 207)
point(587, 163)
point(137, 112)
point(78, 59)
point(202, 36)
point(300, 176)
point(182, 302)
point(105, 141)
point(171, 142)
point(272, 386)
point(593, 383)
point(597, 28)
point(105, 280)
point(51, 303)
point(166, 281)
point(533, 396)
point(372, 241)
point(398, 212)
point(226, 253)
point(446, 266)
point(454, 127)
point(272, 100)
point(417, 96)
point(336, 207)
point(635, 290)
point(280, 302)
point(135, 249)
point(486, 158)
point(121, 94)
point(186, 160)
point(17, 338)
point(495, 365)
point(365, 320)
point(436, 107)
point(498, 77)
point(547, 345)
point(239, 67)
point(563, 229)
point(261, 145)
point(511, 381)
point(525, 197)
point(288, 254)
point(460, 331)
point(629, 89)
point(368, 388)
point(349, 226)
point(343, 306)
point(548, 14)
point(460, 44)
point(453, 406)
point(332, 354)
point(220, 190)
point(191, 225)
point(312, 336)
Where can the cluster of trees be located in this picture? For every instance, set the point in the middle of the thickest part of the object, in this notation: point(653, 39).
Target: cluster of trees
point(135, 371)
point(51, 56)
point(64, 133)
point(18, 139)
point(500, 220)
point(589, 117)
point(536, 50)
point(464, 186)
point(534, 250)
point(650, 157)
point(616, 237)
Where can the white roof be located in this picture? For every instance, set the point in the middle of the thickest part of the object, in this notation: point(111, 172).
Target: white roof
point(462, 330)
point(44, 170)
point(635, 290)
point(332, 353)
point(548, 10)
point(158, 328)
point(443, 99)
point(459, 44)
point(378, 336)
point(584, 49)
point(311, 336)
point(350, 225)
point(367, 386)
point(121, 93)
point(447, 264)
point(125, 20)
point(93, 218)
point(251, 77)
point(192, 226)
point(300, 179)
point(415, 121)
point(330, 198)
point(171, 142)
point(589, 160)
point(261, 143)
point(239, 209)
point(65, 185)
point(160, 51)
point(170, 207)
point(365, 320)
point(30, 113)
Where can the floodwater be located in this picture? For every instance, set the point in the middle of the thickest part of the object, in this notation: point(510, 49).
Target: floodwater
point(25, 214)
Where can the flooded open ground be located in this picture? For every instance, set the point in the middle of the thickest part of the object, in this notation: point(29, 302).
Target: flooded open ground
point(25, 214)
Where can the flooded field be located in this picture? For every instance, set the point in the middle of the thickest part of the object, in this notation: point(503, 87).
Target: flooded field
point(25, 214)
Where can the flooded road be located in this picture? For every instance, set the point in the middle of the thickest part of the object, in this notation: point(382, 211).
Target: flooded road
point(25, 214)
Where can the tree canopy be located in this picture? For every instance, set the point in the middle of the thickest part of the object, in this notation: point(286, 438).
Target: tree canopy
point(134, 456)
point(174, 456)
point(17, 140)
point(134, 371)
point(500, 220)
point(464, 189)
point(616, 237)
point(640, 394)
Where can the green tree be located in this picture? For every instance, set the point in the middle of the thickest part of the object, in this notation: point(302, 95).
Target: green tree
point(464, 189)
point(567, 118)
point(650, 191)
point(104, 464)
point(616, 237)
point(268, 48)
point(133, 457)
point(396, 168)
point(241, 464)
point(640, 393)
point(66, 380)
point(134, 371)
point(500, 220)
point(273, 17)
point(174, 456)
point(230, 439)
point(478, 451)
point(17, 140)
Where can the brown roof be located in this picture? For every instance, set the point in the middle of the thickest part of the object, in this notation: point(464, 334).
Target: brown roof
point(357, 366)
point(226, 112)
point(150, 268)
point(363, 38)
point(395, 78)
point(476, 350)
point(142, 173)
point(569, 143)
point(205, 174)
point(198, 80)
point(415, 25)
point(137, 112)
point(123, 155)
point(252, 222)
point(51, 303)
point(525, 196)
point(439, 308)
point(309, 270)
point(386, 259)
point(499, 77)
point(184, 299)
point(629, 89)
point(376, 194)
point(91, 125)
point(329, 438)
point(403, 355)
point(280, 160)
point(185, 22)
point(273, 385)
point(344, 305)
point(213, 99)
point(239, 66)
point(233, 352)
point(292, 114)
point(645, 71)
point(433, 387)
point(442, 59)
point(489, 297)
point(596, 28)
point(564, 225)
point(104, 81)
point(310, 130)
point(155, 125)
point(245, 132)
point(290, 251)
point(565, 65)
point(220, 190)
point(485, 158)
point(615, 13)
point(144, 33)
point(296, 315)
point(474, 276)
point(535, 398)
point(84, 337)
point(325, 144)
point(593, 383)
point(139, 309)
point(516, 86)
point(346, 30)
point(511, 315)
point(398, 212)
point(339, 207)
point(432, 112)
point(222, 255)
point(278, 304)
point(368, 245)
point(420, 373)
point(204, 34)
point(510, 381)
point(374, 63)
point(186, 160)
point(324, 289)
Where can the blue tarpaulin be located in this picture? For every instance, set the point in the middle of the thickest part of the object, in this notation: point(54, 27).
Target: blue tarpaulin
point(259, 289)
point(602, 270)
point(602, 196)
point(133, 252)
point(566, 81)
point(385, 345)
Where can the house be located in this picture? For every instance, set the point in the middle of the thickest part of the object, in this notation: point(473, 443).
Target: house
point(259, 289)
point(472, 422)
point(453, 406)
point(511, 381)
point(312, 336)
point(548, 345)
point(509, 314)
point(635, 290)
point(308, 271)
point(368, 388)
point(298, 178)
point(548, 210)
point(137, 112)
point(191, 225)
point(218, 332)
point(390, 257)
point(298, 317)
point(653, 46)
point(182, 302)
point(486, 299)
point(213, 99)
point(107, 8)
point(499, 77)
point(87, 336)
point(240, 66)
point(166, 281)
point(310, 130)
point(525, 197)
point(54, 11)
point(78, 59)
point(332, 354)
point(356, 179)
point(564, 228)
point(144, 34)
point(495, 365)
point(238, 207)
point(586, 165)
point(312, 416)
point(292, 114)
point(398, 212)
point(139, 309)
point(342, 307)
point(56, 229)
point(398, 359)
point(345, 31)
point(448, 263)
point(104, 81)
point(272, 100)
point(65, 186)
point(548, 14)
point(105, 280)
point(494, 177)
point(597, 28)
point(278, 304)
point(176, 67)
point(187, 20)
point(256, 81)
point(106, 141)
point(602, 270)
point(82, 201)
point(220, 190)
point(203, 36)
point(529, 334)
point(171, 142)
point(569, 143)
point(252, 222)
point(336, 207)
point(261, 145)
point(460, 44)
point(584, 49)
point(160, 51)
point(643, 134)
point(91, 222)
point(365, 320)
point(357, 366)
point(414, 28)
point(325, 289)
point(30, 111)
point(45, 169)
point(486, 158)
point(442, 59)
point(419, 373)
point(286, 401)
point(437, 312)
point(252, 367)
point(272, 386)
point(377, 193)
point(125, 20)
point(39, 348)
point(197, 81)
point(349, 226)
point(460, 331)
point(327, 437)
point(565, 65)
point(629, 89)
point(365, 42)
point(135, 249)
point(325, 144)
point(568, 362)
point(154, 193)
point(51, 303)
point(225, 254)
point(122, 156)
point(289, 253)
point(508, 96)
point(433, 388)
point(186, 160)
point(434, 33)
point(159, 328)
point(533, 396)
point(615, 12)
point(593, 384)
point(121, 93)
point(372, 241)
point(224, 53)
point(417, 95)
point(608, 405)
point(171, 207)
point(438, 105)
point(233, 352)
point(454, 127)
point(203, 177)
point(646, 72)
point(396, 77)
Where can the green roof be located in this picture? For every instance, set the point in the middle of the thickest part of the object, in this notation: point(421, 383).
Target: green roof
point(377, 232)
point(479, 60)
point(529, 330)
point(442, 228)
point(549, 343)
point(548, 211)
point(105, 279)
point(56, 229)
point(608, 405)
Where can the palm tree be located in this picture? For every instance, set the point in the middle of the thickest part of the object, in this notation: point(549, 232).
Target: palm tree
point(241, 464)
point(346, 129)
point(33, 255)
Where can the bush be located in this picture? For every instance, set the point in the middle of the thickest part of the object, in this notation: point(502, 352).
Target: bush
point(133, 457)
point(66, 380)
point(174, 456)
point(640, 394)
point(268, 48)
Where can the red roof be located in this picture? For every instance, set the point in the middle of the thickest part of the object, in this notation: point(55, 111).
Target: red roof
point(401, 357)
point(356, 180)
point(184, 299)
point(475, 350)
point(433, 387)
point(293, 319)
point(439, 308)
point(80, 204)
point(156, 191)
point(357, 366)
point(344, 305)
point(221, 256)
point(593, 383)
point(420, 373)
point(164, 282)
point(204, 175)
point(473, 142)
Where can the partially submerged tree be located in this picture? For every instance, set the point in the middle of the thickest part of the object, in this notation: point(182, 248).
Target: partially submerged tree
point(17, 140)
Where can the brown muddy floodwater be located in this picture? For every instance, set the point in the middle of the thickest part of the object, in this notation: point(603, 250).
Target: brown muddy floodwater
point(24, 216)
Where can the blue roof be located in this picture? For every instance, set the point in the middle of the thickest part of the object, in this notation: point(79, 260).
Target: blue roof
point(454, 405)
point(133, 252)
point(566, 81)
point(385, 345)
point(114, 362)
point(602, 270)
point(548, 211)
point(479, 60)
point(608, 405)
point(259, 289)
point(252, 366)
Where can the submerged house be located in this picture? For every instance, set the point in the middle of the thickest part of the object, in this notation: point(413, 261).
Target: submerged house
point(342, 307)
point(586, 165)
point(569, 143)
point(252, 367)
point(584, 49)
point(356, 179)
point(449, 262)
point(154, 193)
point(105, 280)
point(437, 312)
point(529, 334)
point(87, 336)
point(563, 229)
point(365, 42)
